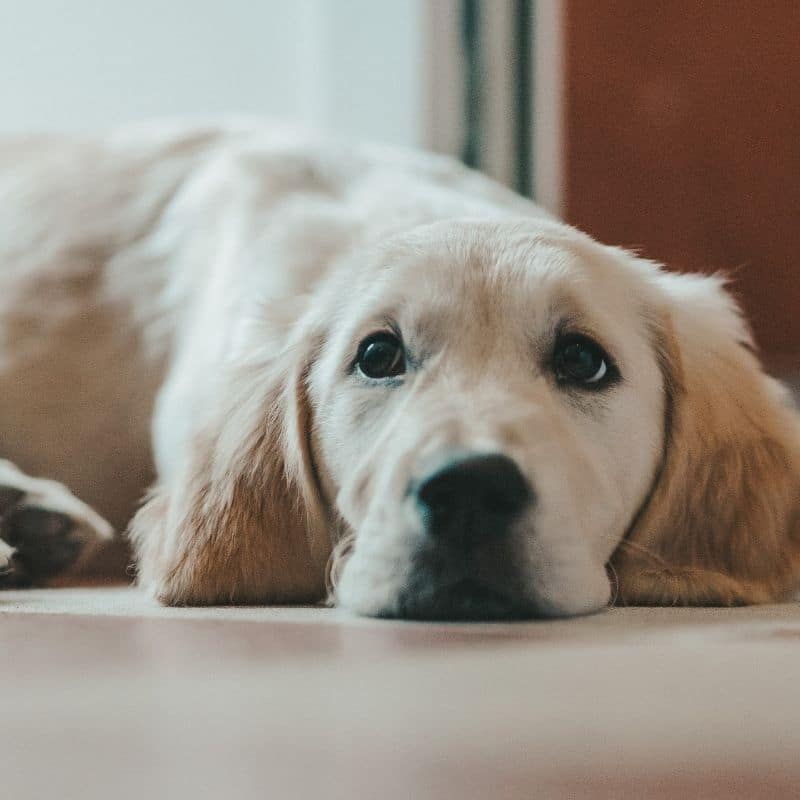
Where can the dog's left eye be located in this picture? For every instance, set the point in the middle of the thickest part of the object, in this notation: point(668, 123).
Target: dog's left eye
point(381, 355)
point(579, 361)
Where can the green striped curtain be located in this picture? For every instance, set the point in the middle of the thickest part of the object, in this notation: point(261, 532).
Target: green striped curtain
point(520, 53)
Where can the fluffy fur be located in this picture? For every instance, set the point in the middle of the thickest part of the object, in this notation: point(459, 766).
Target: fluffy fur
point(200, 295)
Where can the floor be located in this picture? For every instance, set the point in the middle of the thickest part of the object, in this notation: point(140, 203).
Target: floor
point(108, 696)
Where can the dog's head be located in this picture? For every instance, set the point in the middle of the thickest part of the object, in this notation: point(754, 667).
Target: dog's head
point(511, 420)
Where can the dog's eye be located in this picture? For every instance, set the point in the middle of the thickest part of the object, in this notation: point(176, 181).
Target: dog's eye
point(381, 355)
point(579, 361)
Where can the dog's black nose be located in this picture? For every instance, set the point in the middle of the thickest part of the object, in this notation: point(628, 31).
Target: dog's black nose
point(474, 497)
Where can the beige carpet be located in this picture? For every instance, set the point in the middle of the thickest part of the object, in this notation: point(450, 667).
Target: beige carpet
point(109, 696)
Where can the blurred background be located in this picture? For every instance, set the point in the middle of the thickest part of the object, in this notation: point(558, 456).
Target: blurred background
point(670, 126)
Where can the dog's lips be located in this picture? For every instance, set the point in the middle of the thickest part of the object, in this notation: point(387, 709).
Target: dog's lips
point(463, 600)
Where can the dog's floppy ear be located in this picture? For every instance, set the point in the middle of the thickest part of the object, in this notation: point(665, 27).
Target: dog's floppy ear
point(721, 525)
point(242, 519)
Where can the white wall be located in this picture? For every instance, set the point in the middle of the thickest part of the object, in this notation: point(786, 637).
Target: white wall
point(355, 66)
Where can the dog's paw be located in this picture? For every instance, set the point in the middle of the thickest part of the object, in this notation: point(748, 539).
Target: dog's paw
point(6, 556)
point(44, 528)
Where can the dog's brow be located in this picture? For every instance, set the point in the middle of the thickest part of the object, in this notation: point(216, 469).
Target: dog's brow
point(391, 323)
point(561, 314)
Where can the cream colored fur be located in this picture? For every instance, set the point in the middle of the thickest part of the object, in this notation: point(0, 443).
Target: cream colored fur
point(199, 295)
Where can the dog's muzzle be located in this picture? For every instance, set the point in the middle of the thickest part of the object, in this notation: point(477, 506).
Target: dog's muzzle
point(468, 510)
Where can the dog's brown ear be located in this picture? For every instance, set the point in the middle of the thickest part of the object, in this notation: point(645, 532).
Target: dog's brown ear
point(722, 523)
point(243, 522)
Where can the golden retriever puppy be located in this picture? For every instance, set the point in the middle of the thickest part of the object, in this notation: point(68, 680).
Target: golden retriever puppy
point(372, 375)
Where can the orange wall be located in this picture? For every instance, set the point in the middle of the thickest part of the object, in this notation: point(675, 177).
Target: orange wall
point(682, 138)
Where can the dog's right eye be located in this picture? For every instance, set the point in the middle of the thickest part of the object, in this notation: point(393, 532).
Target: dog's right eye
point(381, 355)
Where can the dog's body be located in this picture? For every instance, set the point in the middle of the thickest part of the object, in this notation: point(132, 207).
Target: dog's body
point(200, 294)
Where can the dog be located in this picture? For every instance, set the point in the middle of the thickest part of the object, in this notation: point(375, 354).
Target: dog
point(371, 375)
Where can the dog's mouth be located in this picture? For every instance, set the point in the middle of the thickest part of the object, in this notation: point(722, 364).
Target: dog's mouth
point(461, 601)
